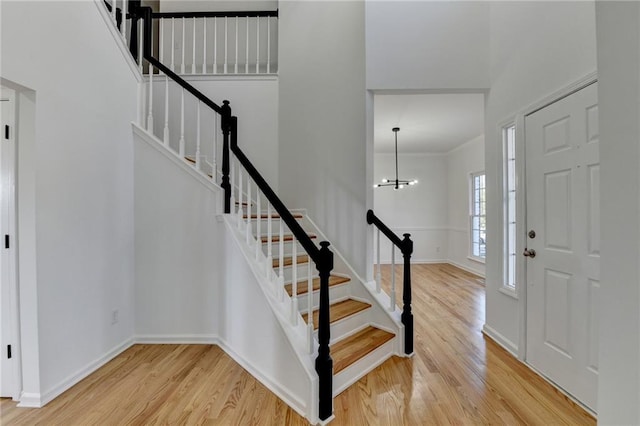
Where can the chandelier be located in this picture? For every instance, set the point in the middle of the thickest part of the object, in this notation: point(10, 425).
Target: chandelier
point(396, 183)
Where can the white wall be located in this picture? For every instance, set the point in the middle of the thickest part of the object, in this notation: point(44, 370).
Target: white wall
point(427, 45)
point(322, 119)
point(461, 162)
point(79, 171)
point(618, 32)
point(420, 210)
point(536, 49)
point(177, 248)
point(253, 100)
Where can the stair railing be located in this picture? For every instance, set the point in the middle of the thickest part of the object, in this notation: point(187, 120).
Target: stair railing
point(248, 195)
point(406, 247)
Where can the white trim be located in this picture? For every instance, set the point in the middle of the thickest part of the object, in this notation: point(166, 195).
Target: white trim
point(476, 259)
point(226, 77)
point(466, 268)
point(285, 395)
point(507, 344)
point(126, 54)
point(460, 230)
point(176, 339)
point(73, 379)
point(562, 93)
point(159, 146)
point(508, 291)
point(30, 400)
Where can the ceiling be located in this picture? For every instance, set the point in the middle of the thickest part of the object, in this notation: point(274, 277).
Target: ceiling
point(429, 123)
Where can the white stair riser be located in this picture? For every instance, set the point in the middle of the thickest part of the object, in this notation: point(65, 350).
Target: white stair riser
point(337, 292)
point(345, 326)
point(287, 248)
point(302, 272)
point(355, 371)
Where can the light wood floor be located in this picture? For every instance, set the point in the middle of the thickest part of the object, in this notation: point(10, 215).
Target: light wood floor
point(457, 376)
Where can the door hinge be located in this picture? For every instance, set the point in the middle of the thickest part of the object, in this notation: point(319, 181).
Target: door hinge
point(6, 131)
point(6, 241)
point(9, 351)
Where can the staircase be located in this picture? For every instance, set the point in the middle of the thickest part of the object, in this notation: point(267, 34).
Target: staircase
point(337, 327)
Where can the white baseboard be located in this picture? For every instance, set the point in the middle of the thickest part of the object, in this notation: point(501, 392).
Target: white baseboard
point(466, 268)
point(413, 261)
point(176, 339)
point(284, 394)
point(507, 344)
point(70, 381)
point(30, 400)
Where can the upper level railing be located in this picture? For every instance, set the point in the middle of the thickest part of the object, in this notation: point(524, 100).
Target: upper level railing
point(246, 193)
point(205, 43)
point(406, 247)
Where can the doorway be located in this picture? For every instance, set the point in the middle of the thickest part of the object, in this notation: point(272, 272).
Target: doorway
point(9, 378)
point(563, 237)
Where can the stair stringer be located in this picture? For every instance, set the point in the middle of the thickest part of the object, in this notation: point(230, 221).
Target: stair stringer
point(268, 345)
point(379, 314)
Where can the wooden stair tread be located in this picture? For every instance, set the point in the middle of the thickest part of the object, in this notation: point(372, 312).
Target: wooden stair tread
point(273, 216)
point(349, 350)
point(285, 238)
point(288, 260)
point(302, 284)
point(338, 311)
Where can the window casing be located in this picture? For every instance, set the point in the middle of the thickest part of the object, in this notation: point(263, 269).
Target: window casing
point(478, 218)
point(510, 209)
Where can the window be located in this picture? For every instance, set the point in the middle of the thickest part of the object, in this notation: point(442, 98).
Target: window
point(509, 174)
point(478, 217)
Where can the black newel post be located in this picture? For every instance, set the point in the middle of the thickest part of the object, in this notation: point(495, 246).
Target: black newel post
point(133, 41)
point(324, 363)
point(229, 125)
point(407, 316)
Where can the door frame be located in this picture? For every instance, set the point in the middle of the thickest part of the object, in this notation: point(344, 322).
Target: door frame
point(8, 158)
point(545, 101)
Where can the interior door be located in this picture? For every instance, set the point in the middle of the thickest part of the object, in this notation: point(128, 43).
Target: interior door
point(563, 251)
point(8, 290)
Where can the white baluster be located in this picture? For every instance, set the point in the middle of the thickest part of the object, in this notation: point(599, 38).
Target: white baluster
point(215, 45)
point(392, 305)
point(258, 224)
point(124, 21)
point(269, 241)
point(193, 61)
point(240, 218)
point(113, 11)
point(173, 44)
point(161, 43)
point(268, 45)
point(204, 46)
point(232, 182)
point(198, 162)
point(248, 210)
point(225, 45)
point(310, 304)
point(141, 106)
point(141, 42)
point(150, 116)
point(214, 155)
point(182, 143)
point(184, 22)
point(281, 251)
point(235, 66)
point(294, 278)
point(257, 44)
point(379, 272)
point(165, 137)
point(246, 61)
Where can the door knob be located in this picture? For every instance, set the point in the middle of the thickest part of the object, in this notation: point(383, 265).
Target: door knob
point(529, 253)
point(532, 234)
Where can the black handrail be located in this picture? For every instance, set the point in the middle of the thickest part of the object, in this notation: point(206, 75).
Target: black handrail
point(230, 14)
point(406, 247)
point(323, 257)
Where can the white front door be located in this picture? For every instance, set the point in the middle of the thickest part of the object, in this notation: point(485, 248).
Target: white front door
point(563, 279)
point(8, 289)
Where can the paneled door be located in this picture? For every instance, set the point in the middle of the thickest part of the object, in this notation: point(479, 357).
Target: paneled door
point(563, 242)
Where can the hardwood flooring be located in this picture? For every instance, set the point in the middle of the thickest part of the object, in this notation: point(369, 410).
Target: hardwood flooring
point(457, 376)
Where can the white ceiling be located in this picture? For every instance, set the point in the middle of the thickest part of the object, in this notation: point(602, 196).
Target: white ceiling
point(434, 123)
